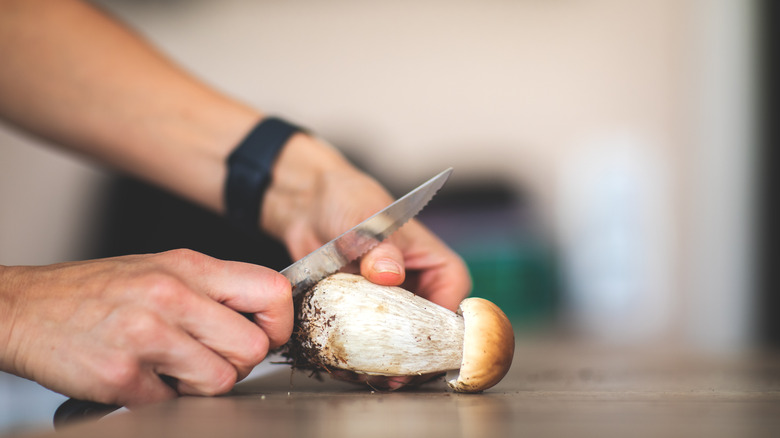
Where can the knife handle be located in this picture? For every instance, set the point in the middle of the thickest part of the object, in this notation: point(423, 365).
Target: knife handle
point(74, 410)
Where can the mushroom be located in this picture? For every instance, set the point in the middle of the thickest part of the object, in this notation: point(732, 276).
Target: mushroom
point(346, 322)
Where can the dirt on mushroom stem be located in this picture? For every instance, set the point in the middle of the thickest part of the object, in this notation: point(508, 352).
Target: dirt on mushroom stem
point(300, 354)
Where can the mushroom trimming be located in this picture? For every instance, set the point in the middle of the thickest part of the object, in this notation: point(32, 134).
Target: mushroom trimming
point(346, 322)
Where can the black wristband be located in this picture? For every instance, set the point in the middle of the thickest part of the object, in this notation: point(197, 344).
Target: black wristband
point(249, 170)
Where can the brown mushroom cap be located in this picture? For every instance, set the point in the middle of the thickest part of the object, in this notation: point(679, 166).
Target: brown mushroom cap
point(488, 346)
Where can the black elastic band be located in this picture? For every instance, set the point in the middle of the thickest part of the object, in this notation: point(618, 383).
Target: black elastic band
point(249, 170)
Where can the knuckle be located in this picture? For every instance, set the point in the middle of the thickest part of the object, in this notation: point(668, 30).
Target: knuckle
point(255, 350)
point(164, 290)
point(277, 320)
point(279, 293)
point(141, 327)
point(121, 374)
point(185, 256)
point(222, 381)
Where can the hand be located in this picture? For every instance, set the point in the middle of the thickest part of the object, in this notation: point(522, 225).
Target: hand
point(106, 330)
point(316, 195)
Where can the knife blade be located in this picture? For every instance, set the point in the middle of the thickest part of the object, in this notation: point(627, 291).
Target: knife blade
point(359, 239)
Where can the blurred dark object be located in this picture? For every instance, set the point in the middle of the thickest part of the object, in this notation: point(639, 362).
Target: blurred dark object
point(768, 166)
point(140, 219)
point(73, 411)
point(495, 229)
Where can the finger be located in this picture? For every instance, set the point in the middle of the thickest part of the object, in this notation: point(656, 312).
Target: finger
point(197, 369)
point(149, 345)
point(434, 271)
point(391, 383)
point(383, 383)
point(384, 265)
point(445, 286)
point(117, 377)
point(149, 388)
point(215, 325)
point(243, 287)
point(262, 292)
point(228, 333)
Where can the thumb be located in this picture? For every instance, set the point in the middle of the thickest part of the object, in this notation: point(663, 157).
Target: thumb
point(384, 265)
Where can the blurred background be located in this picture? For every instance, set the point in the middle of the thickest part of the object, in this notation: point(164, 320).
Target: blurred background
point(608, 154)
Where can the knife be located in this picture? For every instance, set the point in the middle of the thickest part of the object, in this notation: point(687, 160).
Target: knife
point(309, 270)
point(358, 240)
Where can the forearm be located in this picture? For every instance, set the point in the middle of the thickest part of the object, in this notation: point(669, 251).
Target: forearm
point(74, 76)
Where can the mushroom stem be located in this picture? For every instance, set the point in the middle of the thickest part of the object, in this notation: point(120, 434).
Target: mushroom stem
point(346, 322)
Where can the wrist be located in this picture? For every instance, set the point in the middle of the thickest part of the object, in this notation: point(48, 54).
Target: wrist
point(8, 305)
point(298, 174)
point(249, 169)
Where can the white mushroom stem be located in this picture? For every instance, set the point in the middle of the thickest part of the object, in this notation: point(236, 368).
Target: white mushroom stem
point(346, 322)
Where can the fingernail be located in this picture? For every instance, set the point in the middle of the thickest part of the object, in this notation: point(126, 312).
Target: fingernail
point(393, 385)
point(387, 266)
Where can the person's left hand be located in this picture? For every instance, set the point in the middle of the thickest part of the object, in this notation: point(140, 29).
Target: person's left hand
point(316, 195)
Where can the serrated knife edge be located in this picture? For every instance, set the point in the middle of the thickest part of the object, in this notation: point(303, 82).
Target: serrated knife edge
point(361, 238)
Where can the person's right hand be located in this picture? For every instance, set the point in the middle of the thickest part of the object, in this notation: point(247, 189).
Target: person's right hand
point(107, 330)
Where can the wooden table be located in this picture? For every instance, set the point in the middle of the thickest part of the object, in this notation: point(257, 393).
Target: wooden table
point(553, 389)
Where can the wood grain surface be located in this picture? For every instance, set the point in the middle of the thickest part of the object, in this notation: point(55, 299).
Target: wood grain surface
point(553, 389)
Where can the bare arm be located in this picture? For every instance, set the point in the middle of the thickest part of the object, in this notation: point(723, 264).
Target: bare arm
point(75, 76)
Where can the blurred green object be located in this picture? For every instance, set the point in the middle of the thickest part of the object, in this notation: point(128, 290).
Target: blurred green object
point(509, 256)
point(519, 277)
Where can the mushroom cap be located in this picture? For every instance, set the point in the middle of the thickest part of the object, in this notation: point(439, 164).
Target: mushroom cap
point(488, 346)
